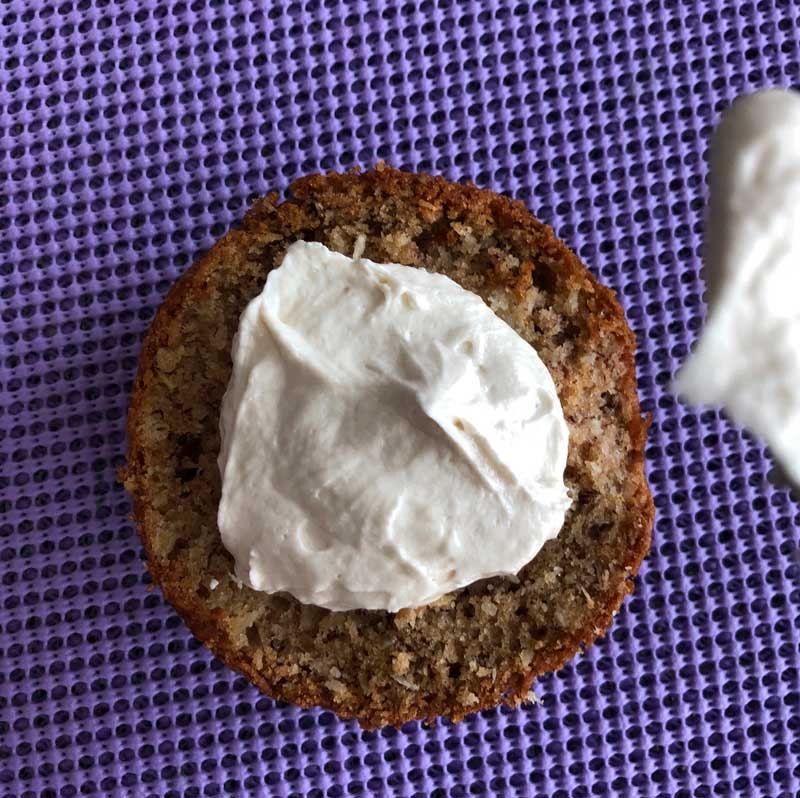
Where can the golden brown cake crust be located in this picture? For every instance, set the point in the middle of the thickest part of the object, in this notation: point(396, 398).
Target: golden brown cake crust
point(474, 648)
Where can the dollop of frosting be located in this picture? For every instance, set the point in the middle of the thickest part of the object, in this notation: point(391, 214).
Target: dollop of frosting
point(747, 358)
point(386, 438)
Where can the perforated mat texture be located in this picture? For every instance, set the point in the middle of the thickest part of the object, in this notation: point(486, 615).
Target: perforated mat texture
point(132, 135)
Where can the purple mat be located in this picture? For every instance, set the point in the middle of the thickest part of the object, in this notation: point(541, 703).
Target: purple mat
point(132, 134)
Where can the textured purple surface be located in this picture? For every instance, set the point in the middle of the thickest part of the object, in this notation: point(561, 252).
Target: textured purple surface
point(132, 134)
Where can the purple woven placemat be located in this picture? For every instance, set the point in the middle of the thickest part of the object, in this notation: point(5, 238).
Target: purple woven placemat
point(132, 134)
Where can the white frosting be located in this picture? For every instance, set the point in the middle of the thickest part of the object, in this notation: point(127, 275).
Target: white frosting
point(386, 438)
point(748, 356)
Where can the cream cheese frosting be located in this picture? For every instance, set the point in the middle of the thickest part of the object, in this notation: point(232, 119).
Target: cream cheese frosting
point(385, 437)
point(747, 358)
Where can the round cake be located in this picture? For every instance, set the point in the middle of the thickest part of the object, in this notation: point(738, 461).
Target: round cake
point(475, 647)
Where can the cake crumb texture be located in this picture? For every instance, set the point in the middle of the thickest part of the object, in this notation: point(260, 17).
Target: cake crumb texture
point(478, 646)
